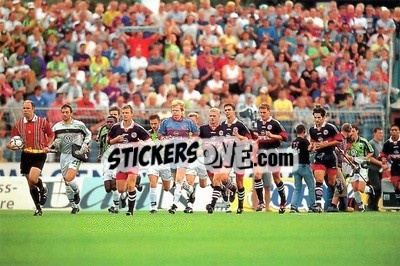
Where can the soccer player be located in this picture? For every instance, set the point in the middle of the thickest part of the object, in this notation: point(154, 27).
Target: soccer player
point(270, 135)
point(301, 147)
point(154, 126)
point(108, 174)
point(232, 130)
point(374, 171)
point(360, 152)
point(390, 154)
point(156, 171)
point(195, 168)
point(127, 131)
point(67, 133)
point(339, 195)
point(37, 136)
point(324, 138)
point(207, 134)
point(179, 128)
point(153, 173)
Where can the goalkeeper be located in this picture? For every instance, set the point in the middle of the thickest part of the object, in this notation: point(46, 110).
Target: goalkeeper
point(67, 133)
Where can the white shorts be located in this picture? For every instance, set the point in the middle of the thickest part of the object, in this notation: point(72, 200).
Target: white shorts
point(162, 170)
point(67, 161)
point(348, 171)
point(108, 174)
point(197, 168)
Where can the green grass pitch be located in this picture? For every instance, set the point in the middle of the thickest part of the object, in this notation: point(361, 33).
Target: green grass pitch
point(98, 238)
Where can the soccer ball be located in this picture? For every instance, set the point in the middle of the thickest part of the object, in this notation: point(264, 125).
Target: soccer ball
point(17, 142)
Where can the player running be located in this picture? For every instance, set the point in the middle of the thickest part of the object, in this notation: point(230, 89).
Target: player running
point(390, 155)
point(127, 131)
point(180, 128)
point(324, 138)
point(67, 133)
point(270, 135)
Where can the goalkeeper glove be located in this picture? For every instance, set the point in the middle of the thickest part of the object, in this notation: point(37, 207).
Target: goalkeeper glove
point(84, 148)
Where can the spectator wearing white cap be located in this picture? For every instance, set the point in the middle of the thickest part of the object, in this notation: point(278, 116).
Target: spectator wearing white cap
point(388, 24)
point(234, 25)
point(19, 9)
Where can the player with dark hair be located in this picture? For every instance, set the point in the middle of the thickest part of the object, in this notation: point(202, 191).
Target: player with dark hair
point(37, 136)
point(324, 138)
point(154, 126)
point(127, 131)
point(108, 174)
point(270, 135)
point(67, 133)
point(359, 154)
point(334, 196)
point(390, 154)
point(374, 171)
point(301, 148)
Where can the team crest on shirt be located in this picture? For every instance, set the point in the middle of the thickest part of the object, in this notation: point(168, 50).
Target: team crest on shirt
point(269, 127)
point(221, 133)
point(325, 132)
point(133, 135)
point(67, 138)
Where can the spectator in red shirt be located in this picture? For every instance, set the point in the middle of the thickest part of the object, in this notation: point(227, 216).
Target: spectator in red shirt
point(137, 41)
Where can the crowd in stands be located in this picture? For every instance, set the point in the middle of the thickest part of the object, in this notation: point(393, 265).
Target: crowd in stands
point(288, 56)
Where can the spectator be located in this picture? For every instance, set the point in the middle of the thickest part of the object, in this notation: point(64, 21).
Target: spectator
point(283, 108)
point(257, 80)
point(156, 67)
point(48, 79)
point(248, 111)
point(316, 51)
point(72, 90)
point(302, 114)
point(67, 42)
point(263, 97)
point(5, 154)
point(82, 59)
point(363, 97)
point(17, 83)
point(49, 94)
point(14, 107)
point(86, 111)
point(233, 75)
point(36, 63)
point(113, 90)
point(59, 68)
point(103, 97)
point(380, 45)
point(388, 24)
point(136, 62)
point(188, 69)
point(347, 114)
point(191, 94)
